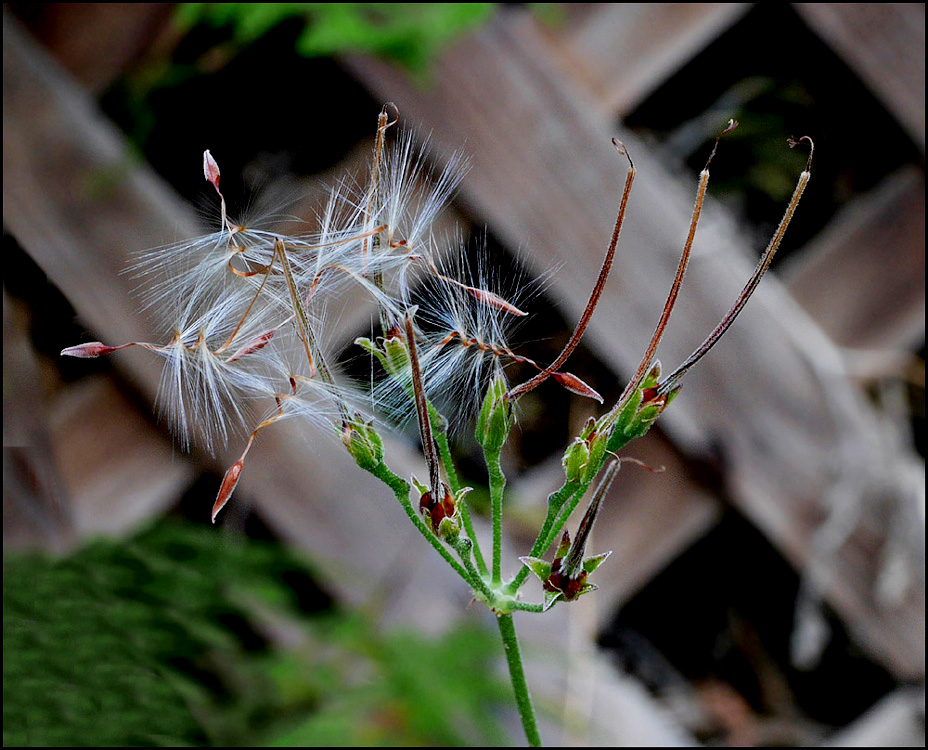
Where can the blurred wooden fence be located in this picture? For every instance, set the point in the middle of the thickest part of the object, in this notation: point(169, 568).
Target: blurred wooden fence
point(536, 108)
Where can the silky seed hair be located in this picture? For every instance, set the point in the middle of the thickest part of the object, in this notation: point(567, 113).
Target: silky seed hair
point(466, 317)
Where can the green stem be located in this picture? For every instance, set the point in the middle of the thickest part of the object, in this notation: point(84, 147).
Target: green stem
point(556, 501)
point(400, 488)
point(566, 512)
point(507, 630)
point(497, 485)
point(444, 452)
point(440, 433)
point(464, 547)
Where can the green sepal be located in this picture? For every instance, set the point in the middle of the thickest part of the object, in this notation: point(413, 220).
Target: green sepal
point(644, 419)
point(459, 496)
point(649, 413)
point(551, 597)
point(597, 451)
point(495, 419)
point(420, 488)
point(627, 415)
point(368, 345)
point(594, 561)
point(653, 376)
point(589, 429)
point(586, 588)
point(576, 458)
point(564, 547)
point(396, 354)
point(449, 529)
point(538, 566)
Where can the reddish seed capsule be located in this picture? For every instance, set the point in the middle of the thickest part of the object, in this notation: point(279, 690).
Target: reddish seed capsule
point(228, 486)
point(89, 350)
point(259, 343)
point(648, 395)
point(437, 511)
point(211, 170)
point(573, 384)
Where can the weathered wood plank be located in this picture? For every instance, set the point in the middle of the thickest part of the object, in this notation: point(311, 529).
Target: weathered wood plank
point(885, 45)
point(95, 41)
point(621, 52)
point(37, 512)
point(118, 470)
point(863, 279)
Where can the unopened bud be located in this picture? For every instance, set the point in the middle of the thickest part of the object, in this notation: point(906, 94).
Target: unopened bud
point(363, 443)
point(495, 419)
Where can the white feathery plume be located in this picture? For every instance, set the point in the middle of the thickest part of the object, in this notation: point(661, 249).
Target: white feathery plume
point(465, 320)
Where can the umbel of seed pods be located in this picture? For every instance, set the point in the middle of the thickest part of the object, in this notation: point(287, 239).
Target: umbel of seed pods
point(644, 398)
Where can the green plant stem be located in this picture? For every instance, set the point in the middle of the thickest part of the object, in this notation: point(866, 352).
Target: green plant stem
point(464, 547)
point(440, 433)
point(556, 501)
point(497, 485)
point(454, 482)
point(400, 488)
point(507, 630)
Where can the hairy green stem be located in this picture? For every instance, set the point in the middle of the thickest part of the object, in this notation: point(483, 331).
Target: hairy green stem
point(556, 501)
point(444, 452)
point(464, 547)
point(400, 488)
point(507, 630)
point(440, 433)
point(497, 485)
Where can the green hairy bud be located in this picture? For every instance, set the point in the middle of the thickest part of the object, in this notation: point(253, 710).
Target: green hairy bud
point(576, 457)
point(392, 353)
point(495, 419)
point(363, 443)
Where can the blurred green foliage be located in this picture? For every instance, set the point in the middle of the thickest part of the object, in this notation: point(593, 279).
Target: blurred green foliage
point(408, 33)
point(182, 636)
